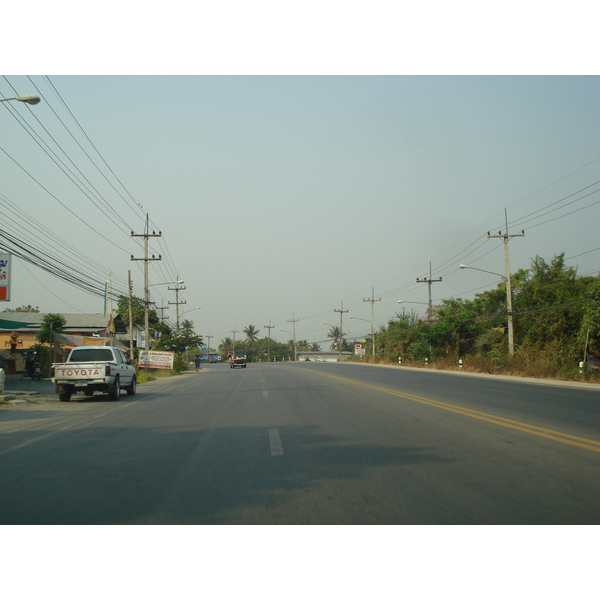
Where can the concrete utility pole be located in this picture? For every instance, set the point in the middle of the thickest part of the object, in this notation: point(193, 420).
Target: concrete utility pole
point(429, 282)
point(505, 237)
point(162, 312)
point(208, 344)
point(372, 301)
point(293, 321)
point(146, 260)
point(234, 331)
point(269, 327)
point(177, 303)
point(130, 316)
point(341, 311)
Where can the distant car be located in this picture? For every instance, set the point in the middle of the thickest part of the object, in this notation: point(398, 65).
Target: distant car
point(593, 363)
point(237, 361)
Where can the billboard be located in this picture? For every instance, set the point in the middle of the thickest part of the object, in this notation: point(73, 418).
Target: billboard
point(5, 277)
point(156, 360)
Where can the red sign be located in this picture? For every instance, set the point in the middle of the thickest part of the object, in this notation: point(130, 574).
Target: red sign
point(5, 277)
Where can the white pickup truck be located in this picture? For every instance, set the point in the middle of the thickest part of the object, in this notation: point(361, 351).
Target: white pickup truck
point(92, 369)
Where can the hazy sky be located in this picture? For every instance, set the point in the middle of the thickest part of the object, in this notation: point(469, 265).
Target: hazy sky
point(281, 197)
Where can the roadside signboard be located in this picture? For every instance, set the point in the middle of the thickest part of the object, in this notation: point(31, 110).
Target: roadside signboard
point(156, 360)
point(5, 264)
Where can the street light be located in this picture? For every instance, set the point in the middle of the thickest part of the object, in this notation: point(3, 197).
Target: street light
point(28, 98)
point(189, 310)
point(372, 332)
point(423, 303)
point(511, 335)
point(342, 334)
point(165, 283)
point(482, 270)
point(294, 336)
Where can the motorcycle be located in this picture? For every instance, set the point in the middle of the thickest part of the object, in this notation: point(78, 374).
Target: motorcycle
point(34, 368)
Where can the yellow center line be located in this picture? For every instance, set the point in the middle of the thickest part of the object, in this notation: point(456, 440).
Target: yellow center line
point(557, 436)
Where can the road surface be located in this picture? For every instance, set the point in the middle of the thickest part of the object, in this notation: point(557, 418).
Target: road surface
point(307, 443)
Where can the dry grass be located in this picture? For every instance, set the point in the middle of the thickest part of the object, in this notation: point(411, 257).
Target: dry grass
point(538, 367)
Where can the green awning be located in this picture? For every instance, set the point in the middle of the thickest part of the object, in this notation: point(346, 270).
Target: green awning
point(14, 324)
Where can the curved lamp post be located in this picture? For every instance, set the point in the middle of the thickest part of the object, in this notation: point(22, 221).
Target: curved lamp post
point(372, 333)
point(187, 311)
point(511, 335)
point(342, 334)
point(294, 335)
point(27, 98)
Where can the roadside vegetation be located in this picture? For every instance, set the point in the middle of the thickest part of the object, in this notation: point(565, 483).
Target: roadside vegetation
point(184, 343)
point(556, 316)
point(257, 349)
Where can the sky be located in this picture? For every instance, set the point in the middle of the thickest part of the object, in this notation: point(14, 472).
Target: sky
point(294, 157)
point(278, 198)
point(296, 167)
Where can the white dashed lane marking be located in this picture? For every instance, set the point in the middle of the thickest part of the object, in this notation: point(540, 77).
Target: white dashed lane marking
point(275, 441)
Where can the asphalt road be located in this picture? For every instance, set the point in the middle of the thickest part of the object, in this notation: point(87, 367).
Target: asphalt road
point(307, 443)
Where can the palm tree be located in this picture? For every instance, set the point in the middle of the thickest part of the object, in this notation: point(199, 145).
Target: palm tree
point(226, 347)
point(303, 346)
point(187, 326)
point(315, 347)
point(336, 334)
point(251, 334)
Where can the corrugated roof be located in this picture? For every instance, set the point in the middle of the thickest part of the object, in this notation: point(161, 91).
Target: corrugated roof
point(73, 321)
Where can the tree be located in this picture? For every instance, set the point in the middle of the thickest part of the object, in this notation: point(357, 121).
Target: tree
point(226, 347)
point(589, 332)
point(302, 346)
point(52, 323)
point(335, 333)
point(24, 309)
point(137, 305)
point(187, 326)
point(178, 342)
point(251, 334)
point(551, 304)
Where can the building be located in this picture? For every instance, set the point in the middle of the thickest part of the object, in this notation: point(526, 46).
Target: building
point(18, 331)
point(324, 356)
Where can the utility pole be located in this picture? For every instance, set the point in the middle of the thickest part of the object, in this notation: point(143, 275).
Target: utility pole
point(341, 311)
point(506, 237)
point(177, 303)
point(372, 301)
point(130, 316)
point(269, 327)
point(162, 312)
point(234, 331)
point(293, 321)
point(429, 282)
point(146, 260)
point(208, 344)
point(108, 291)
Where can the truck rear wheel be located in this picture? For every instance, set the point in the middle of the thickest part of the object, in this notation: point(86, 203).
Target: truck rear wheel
point(131, 389)
point(64, 396)
point(115, 392)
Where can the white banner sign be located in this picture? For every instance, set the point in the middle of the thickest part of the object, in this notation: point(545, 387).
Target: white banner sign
point(156, 360)
point(5, 277)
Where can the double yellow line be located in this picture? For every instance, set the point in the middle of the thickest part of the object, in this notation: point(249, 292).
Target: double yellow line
point(557, 436)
